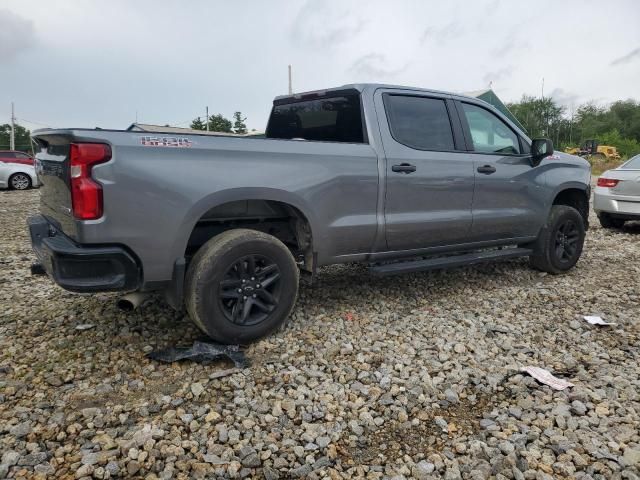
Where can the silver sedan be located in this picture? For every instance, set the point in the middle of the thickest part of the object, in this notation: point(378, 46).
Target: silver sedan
point(17, 170)
point(616, 198)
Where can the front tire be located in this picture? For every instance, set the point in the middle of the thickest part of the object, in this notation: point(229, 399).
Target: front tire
point(241, 285)
point(20, 181)
point(607, 221)
point(560, 242)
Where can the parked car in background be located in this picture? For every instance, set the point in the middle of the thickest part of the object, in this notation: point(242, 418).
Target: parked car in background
point(616, 197)
point(17, 170)
point(403, 179)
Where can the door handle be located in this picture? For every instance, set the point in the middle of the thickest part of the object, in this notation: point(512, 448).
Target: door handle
point(487, 169)
point(403, 168)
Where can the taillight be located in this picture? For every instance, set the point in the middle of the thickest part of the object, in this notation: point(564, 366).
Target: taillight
point(607, 182)
point(86, 193)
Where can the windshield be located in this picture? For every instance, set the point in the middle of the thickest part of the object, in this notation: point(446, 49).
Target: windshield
point(632, 164)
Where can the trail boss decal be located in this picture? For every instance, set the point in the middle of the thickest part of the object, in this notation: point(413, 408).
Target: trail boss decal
point(172, 142)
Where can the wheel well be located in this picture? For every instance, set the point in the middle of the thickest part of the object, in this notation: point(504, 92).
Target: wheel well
point(576, 198)
point(283, 221)
point(20, 173)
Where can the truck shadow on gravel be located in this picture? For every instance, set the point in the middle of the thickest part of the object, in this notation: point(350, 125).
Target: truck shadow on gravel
point(335, 288)
point(352, 285)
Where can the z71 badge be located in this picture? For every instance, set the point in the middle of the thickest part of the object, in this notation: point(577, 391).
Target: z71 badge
point(174, 142)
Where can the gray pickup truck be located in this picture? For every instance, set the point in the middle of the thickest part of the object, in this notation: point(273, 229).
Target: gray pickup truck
point(403, 179)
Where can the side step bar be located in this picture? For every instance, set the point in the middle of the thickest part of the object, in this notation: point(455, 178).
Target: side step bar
point(448, 262)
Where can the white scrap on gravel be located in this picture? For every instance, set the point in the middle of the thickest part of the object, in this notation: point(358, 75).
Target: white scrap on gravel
point(85, 326)
point(595, 320)
point(544, 376)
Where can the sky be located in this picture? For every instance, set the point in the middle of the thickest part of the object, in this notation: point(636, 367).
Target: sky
point(88, 63)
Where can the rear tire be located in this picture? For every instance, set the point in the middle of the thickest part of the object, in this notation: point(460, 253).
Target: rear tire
point(607, 221)
point(559, 244)
point(20, 181)
point(241, 285)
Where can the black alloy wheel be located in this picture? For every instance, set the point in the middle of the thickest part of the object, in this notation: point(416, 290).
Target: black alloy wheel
point(567, 237)
point(250, 290)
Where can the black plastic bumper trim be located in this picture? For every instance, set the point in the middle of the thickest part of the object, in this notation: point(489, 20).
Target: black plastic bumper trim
point(81, 268)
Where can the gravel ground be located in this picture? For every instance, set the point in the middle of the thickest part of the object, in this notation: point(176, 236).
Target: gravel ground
point(414, 376)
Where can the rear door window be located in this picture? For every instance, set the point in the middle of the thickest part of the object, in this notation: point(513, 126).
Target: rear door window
point(418, 122)
point(488, 133)
point(331, 119)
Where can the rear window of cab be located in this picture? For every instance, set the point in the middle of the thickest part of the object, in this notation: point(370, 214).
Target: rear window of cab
point(326, 119)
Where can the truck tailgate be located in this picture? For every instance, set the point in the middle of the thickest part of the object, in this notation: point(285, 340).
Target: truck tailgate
point(52, 165)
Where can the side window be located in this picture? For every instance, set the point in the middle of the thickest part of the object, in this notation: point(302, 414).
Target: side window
point(22, 155)
point(419, 122)
point(8, 155)
point(489, 133)
point(526, 146)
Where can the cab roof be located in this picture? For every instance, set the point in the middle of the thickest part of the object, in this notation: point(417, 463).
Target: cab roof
point(360, 87)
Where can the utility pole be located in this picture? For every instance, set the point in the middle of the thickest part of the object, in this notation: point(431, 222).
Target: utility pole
point(206, 118)
point(290, 84)
point(544, 116)
point(571, 127)
point(13, 129)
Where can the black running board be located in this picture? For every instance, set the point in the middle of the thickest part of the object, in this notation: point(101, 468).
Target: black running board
point(448, 262)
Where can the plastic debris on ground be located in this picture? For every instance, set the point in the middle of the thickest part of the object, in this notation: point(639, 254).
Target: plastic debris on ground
point(84, 326)
point(595, 320)
point(544, 376)
point(201, 352)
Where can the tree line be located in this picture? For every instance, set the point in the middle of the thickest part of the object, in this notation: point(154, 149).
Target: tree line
point(22, 138)
point(218, 123)
point(617, 124)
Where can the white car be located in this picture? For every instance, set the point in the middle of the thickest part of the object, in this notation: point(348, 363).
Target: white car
point(616, 198)
point(17, 170)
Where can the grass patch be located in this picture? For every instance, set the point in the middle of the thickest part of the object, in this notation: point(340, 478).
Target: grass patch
point(600, 165)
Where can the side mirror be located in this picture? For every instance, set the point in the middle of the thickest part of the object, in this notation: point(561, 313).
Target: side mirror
point(541, 148)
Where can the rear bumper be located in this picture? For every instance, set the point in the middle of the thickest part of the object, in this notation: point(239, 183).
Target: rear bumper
point(80, 268)
point(616, 205)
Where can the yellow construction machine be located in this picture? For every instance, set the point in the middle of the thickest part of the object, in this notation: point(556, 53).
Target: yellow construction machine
point(592, 149)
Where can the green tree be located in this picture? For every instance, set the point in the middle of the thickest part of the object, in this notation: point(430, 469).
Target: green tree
point(23, 138)
point(239, 126)
point(218, 123)
point(626, 147)
point(591, 121)
point(541, 117)
point(198, 124)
